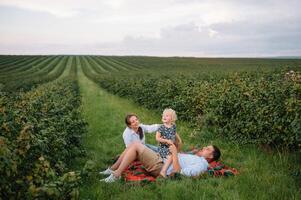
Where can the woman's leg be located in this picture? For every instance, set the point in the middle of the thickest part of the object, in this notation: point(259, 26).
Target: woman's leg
point(117, 163)
point(129, 155)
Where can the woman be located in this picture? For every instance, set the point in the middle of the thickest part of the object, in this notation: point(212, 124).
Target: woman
point(135, 131)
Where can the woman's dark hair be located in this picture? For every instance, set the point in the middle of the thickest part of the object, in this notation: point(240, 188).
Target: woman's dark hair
point(216, 153)
point(140, 132)
point(128, 123)
point(127, 118)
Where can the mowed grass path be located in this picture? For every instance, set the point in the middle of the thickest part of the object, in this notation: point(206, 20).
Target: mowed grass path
point(262, 175)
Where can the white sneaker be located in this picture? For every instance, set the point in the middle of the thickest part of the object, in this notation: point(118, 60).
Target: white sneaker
point(110, 179)
point(107, 172)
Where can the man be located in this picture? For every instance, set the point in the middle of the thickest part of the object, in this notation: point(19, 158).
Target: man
point(186, 164)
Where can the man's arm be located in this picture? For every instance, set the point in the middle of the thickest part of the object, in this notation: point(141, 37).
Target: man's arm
point(175, 160)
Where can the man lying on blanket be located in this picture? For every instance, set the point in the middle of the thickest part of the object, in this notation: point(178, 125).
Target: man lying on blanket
point(186, 164)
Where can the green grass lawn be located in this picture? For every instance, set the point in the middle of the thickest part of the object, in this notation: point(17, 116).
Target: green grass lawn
point(263, 175)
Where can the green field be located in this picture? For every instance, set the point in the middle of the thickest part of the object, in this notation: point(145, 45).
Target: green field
point(61, 120)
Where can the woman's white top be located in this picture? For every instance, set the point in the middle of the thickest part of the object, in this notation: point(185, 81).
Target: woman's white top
point(129, 135)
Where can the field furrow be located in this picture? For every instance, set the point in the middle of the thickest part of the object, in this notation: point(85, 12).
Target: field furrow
point(106, 65)
point(116, 65)
point(96, 67)
point(124, 64)
point(21, 65)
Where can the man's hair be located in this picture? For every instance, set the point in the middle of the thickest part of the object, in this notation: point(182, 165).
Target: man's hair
point(216, 153)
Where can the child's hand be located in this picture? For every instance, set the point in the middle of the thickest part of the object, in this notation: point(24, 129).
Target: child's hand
point(169, 142)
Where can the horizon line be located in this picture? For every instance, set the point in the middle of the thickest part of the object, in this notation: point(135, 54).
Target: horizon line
point(162, 56)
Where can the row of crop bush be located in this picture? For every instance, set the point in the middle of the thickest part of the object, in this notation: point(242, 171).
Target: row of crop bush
point(41, 132)
point(246, 107)
point(26, 68)
point(50, 70)
point(18, 64)
point(8, 61)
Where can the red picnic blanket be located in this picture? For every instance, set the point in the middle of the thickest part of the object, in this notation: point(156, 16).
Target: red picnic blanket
point(137, 172)
point(216, 168)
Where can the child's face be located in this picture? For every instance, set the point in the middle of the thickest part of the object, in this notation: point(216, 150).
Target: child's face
point(134, 122)
point(166, 118)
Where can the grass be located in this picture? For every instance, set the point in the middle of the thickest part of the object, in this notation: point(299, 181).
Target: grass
point(263, 175)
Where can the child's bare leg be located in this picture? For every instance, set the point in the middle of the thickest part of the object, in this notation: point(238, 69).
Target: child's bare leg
point(166, 165)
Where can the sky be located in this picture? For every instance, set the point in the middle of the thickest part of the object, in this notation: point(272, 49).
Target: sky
point(198, 28)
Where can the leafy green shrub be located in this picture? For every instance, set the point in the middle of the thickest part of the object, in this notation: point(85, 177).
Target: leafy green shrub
point(263, 110)
point(41, 132)
point(247, 107)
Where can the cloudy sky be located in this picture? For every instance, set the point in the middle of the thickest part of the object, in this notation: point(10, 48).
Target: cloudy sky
point(229, 28)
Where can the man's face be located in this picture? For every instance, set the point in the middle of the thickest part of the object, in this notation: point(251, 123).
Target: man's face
point(206, 152)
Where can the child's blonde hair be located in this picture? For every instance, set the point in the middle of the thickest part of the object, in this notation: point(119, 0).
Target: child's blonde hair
point(172, 113)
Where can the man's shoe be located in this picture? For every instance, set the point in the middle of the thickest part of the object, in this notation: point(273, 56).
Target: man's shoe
point(107, 172)
point(110, 179)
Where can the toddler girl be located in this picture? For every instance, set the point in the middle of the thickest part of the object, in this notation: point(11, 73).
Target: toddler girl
point(167, 135)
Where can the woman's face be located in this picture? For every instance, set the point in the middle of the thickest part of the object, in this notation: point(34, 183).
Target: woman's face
point(134, 122)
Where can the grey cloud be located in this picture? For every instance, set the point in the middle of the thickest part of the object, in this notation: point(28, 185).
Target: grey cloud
point(258, 37)
point(282, 34)
point(256, 27)
point(261, 28)
point(232, 39)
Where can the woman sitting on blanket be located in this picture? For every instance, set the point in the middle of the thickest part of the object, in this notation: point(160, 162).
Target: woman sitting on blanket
point(134, 132)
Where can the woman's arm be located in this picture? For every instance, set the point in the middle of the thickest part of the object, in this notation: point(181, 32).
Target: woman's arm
point(127, 139)
point(150, 128)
